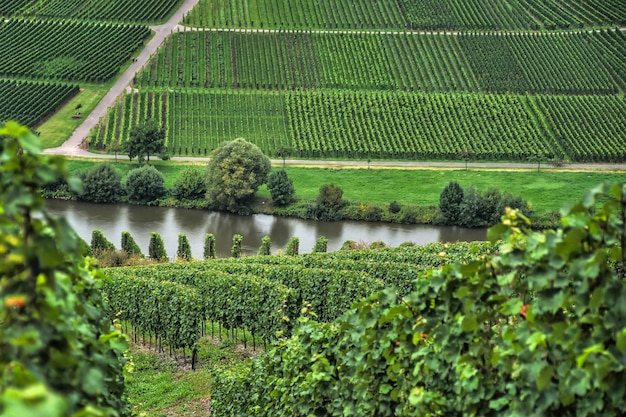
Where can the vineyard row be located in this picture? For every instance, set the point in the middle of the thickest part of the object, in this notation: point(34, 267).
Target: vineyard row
point(358, 125)
point(408, 14)
point(103, 10)
point(30, 102)
point(264, 295)
point(566, 63)
point(70, 51)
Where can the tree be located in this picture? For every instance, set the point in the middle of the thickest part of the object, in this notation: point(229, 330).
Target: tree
point(450, 201)
point(235, 172)
point(283, 152)
point(280, 187)
point(190, 184)
point(102, 184)
point(59, 352)
point(145, 184)
point(146, 139)
point(330, 196)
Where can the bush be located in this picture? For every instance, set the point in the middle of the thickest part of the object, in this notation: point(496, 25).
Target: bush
point(190, 184)
point(450, 201)
point(156, 248)
point(321, 245)
point(293, 246)
point(184, 248)
point(130, 246)
point(330, 197)
point(394, 207)
point(100, 244)
point(266, 246)
point(209, 246)
point(373, 214)
point(471, 209)
point(235, 251)
point(145, 184)
point(280, 187)
point(101, 184)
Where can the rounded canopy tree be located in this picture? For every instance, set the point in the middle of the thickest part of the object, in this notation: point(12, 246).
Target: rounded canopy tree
point(235, 172)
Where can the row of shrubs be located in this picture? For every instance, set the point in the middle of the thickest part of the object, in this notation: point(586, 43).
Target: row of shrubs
point(130, 253)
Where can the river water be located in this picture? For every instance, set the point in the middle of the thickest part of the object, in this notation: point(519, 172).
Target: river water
point(140, 221)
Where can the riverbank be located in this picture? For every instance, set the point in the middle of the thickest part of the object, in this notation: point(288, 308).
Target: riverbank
point(547, 190)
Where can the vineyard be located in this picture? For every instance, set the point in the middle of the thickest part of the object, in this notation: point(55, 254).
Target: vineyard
point(73, 51)
point(264, 295)
point(565, 63)
point(29, 102)
point(104, 10)
point(400, 125)
point(408, 14)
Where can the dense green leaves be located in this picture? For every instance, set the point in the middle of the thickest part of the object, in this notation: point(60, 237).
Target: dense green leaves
point(145, 184)
point(102, 184)
point(536, 329)
point(235, 172)
point(59, 353)
point(281, 188)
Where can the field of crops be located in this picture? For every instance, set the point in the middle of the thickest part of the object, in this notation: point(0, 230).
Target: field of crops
point(29, 102)
point(103, 10)
point(348, 124)
point(408, 14)
point(566, 63)
point(69, 51)
point(265, 294)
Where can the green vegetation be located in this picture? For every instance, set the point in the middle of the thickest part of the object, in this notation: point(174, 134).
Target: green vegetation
point(71, 51)
point(235, 172)
point(540, 63)
point(408, 14)
point(30, 102)
point(52, 311)
point(547, 190)
point(107, 10)
point(539, 328)
point(392, 125)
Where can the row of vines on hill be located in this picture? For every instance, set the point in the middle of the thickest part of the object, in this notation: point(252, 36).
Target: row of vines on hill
point(566, 63)
point(408, 14)
point(274, 14)
point(73, 51)
point(30, 102)
point(265, 294)
point(536, 329)
point(381, 124)
point(108, 10)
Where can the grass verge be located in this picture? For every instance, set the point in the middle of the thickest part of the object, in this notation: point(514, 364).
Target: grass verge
point(547, 190)
point(60, 126)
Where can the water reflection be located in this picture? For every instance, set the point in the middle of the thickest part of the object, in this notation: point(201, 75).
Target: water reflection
point(140, 221)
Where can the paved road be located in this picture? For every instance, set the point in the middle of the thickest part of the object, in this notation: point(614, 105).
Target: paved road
point(72, 147)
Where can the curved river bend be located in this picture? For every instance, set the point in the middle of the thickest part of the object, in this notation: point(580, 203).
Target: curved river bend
point(140, 221)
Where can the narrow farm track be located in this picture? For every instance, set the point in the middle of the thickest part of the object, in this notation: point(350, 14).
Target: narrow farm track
point(72, 147)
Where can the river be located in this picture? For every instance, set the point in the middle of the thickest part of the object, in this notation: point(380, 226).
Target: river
point(140, 221)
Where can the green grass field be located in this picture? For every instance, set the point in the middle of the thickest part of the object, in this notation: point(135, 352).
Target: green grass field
point(547, 190)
